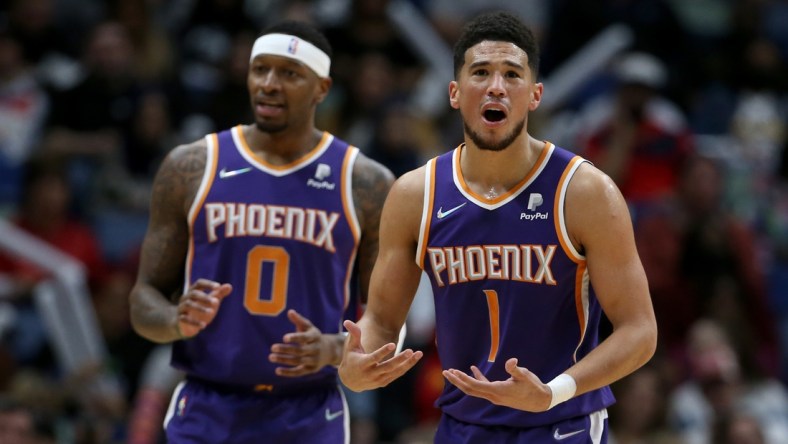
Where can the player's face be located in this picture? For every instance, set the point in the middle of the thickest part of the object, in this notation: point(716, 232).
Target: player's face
point(283, 93)
point(494, 92)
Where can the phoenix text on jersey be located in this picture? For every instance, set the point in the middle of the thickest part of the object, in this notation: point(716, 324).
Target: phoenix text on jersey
point(308, 225)
point(523, 263)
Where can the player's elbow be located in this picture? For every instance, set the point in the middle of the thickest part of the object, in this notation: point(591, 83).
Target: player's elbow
point(648, 341)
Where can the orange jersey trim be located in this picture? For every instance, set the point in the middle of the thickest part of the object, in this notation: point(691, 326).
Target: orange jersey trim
point(514, 190)
point(306, 158)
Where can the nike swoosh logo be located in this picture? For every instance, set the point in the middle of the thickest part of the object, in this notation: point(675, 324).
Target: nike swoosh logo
point(224, 174)
point(560, 437)
point(442, 214)
point(330, 416)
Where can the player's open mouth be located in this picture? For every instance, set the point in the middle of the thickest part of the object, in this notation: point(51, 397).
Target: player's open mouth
point(494, 112)
point(493, 115)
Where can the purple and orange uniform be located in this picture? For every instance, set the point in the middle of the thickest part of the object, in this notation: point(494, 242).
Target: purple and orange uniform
point(508, 283)
point(285, 237)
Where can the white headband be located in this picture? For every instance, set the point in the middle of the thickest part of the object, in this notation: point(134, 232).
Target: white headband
point(292, 47)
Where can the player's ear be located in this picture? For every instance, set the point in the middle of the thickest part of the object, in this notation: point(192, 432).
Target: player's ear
point(536, 96)
point(323, 86)
point(454, 95)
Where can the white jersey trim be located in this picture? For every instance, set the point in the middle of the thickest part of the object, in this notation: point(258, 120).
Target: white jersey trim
point(571, 251)
point(348, 179)
point(425, 211)
point(211, 159)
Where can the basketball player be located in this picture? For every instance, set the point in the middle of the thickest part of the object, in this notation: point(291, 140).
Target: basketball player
point(253, 237)
point(525, 245)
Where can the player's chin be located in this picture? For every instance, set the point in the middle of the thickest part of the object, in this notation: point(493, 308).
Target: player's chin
point(268, 126)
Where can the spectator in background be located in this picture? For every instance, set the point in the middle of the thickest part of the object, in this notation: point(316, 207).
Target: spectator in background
point(91, 122)
point(125, 183)
point(637, 136)
point(230, 104)
point(151, 137)
point(45, 211)
point(738, 428)
point(373, 64)
point(127, 351)
point(401, 140)
point(719, 388)
point(34, 24)
point(639, 414)
point(155, 386)
point(23, 108)
point(153, 50)
point(447, 16)
point(655, 28)
point(20, 425)
point(701, 261)
point(206, 39)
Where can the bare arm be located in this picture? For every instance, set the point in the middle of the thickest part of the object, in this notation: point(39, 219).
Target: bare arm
point(371, 184)
point(393, 284)
point(600, 225)
point(153, 314)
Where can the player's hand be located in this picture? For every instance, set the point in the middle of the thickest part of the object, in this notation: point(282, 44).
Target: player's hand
point(198, 306)
point(523, 390)
point(361, 371)
point(305, 351)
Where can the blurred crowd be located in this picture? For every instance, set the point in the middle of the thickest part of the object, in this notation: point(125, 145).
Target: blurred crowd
point(689, 117)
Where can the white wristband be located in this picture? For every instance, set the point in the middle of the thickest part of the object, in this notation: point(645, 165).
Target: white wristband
point(563, 388)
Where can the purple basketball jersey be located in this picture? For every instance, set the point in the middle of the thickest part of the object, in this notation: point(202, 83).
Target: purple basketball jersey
point(508, 283)
point(284, 237)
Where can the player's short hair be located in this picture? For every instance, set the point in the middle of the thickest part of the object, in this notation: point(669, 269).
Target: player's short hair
point(499, 26)
point(303, 31)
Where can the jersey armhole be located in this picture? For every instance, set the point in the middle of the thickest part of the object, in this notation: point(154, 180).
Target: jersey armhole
point(211, 160)
point(348, 204)
point(560, 201)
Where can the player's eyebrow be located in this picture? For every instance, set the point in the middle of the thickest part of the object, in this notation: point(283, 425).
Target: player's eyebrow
point(487, 62)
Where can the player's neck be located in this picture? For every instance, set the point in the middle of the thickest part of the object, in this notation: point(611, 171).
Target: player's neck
point(493, 173)
point(284, 147)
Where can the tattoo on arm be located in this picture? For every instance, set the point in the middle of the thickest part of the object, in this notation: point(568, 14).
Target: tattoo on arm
point(371, 184)
point(163, 255)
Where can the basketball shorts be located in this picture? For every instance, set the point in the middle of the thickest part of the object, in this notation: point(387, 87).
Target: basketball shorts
point(587, 429)
point(199, 413)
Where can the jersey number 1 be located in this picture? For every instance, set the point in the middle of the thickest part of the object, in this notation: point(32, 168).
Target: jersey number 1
point(280, 260)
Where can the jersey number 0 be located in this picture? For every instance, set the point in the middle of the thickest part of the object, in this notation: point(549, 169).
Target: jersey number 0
point(255, 260)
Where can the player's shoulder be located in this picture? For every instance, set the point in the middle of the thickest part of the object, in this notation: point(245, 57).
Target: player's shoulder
point(410, 186)
point(371, 182)
point(592, 198)
point(589, 182)
point(182, 169)
point(188, 155)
